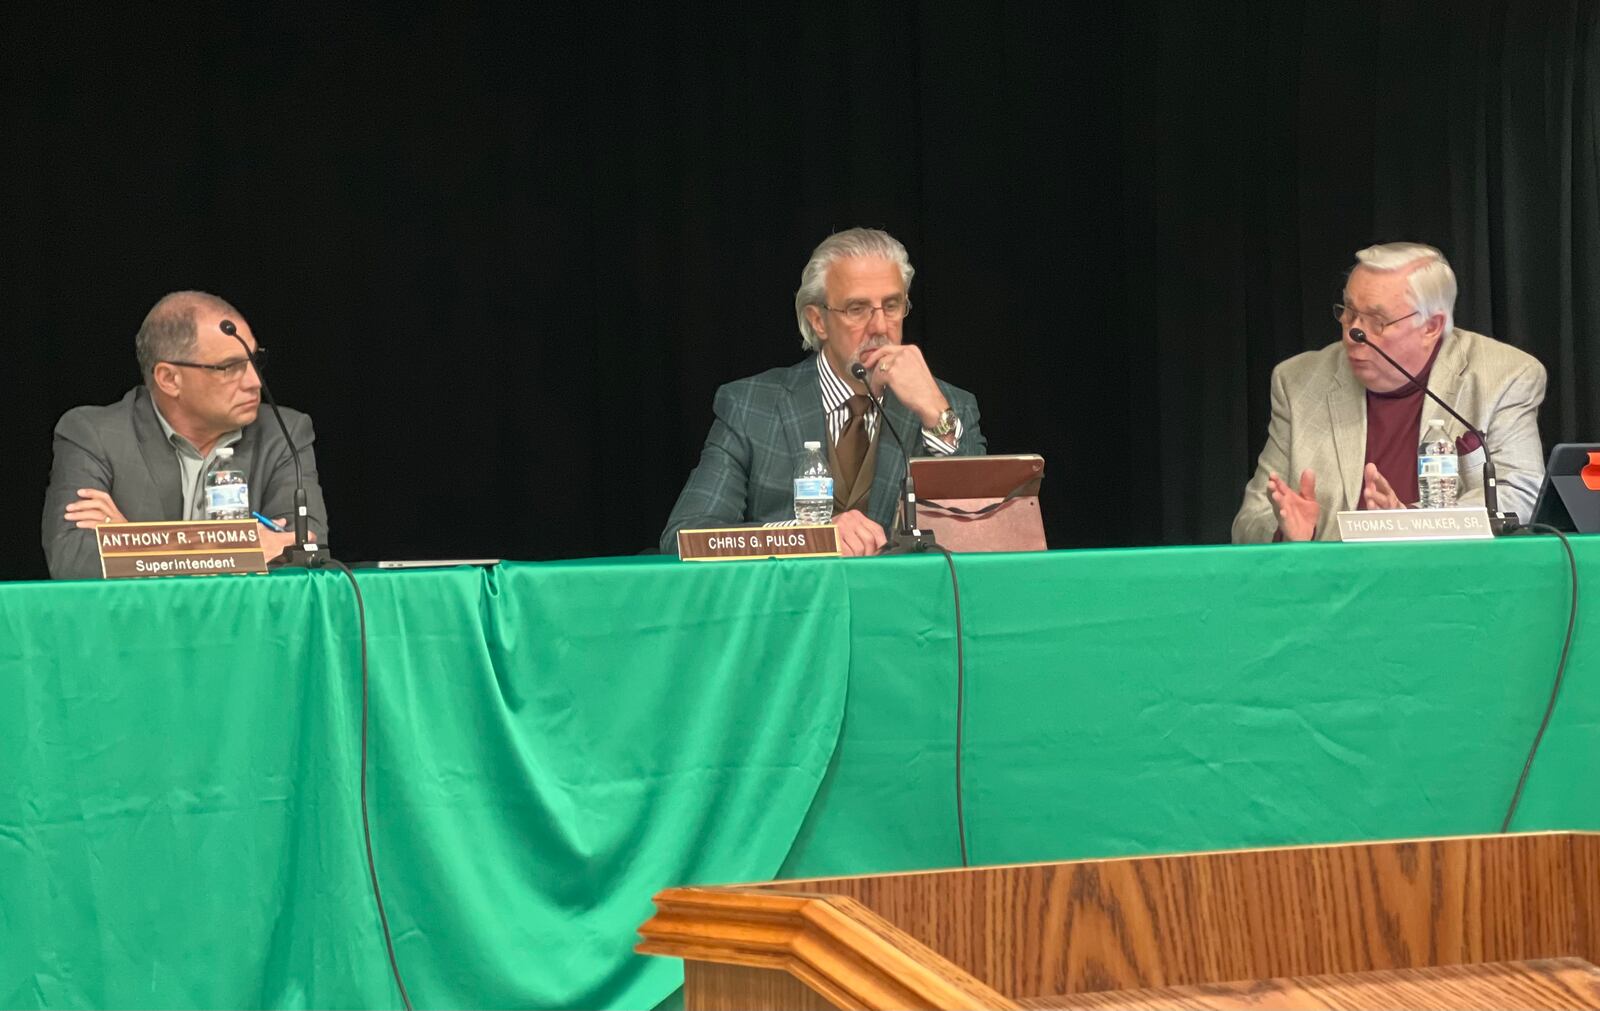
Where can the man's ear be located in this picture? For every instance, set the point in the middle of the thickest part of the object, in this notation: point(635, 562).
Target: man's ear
point(1435, 328)
point(814, 317)
point(164, 377)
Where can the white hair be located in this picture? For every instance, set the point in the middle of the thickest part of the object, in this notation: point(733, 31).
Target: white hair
point(1432, 284)
point(853, 242)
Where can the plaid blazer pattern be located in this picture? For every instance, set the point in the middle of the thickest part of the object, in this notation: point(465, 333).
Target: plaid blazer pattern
point(757, 437)
point(1319, 423)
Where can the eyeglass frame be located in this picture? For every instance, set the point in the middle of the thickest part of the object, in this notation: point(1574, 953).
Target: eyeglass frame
point(872, 309)
point(1339, 309)
point(233, 365)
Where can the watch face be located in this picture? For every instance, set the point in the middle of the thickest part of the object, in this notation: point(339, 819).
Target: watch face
point(947, 422)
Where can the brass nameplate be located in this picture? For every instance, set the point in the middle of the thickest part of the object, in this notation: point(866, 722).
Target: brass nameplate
point(1460, 523)
point(185, 548)
point(728, 543)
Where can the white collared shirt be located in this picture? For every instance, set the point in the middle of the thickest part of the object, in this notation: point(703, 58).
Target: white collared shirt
point(191, 465)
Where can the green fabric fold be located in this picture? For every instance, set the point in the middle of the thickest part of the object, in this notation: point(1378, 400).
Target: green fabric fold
point(551, 745)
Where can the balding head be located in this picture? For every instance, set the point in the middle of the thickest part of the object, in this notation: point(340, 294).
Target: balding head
point(168, 332)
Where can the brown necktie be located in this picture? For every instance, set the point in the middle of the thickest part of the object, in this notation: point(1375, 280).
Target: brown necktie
point(852, 448)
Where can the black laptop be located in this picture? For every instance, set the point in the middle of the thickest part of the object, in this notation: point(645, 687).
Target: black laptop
point(1569, 499)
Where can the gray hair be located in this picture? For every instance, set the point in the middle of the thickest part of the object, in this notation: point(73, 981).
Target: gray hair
point(1432, 284)
point(850, 243)
point(168, 332)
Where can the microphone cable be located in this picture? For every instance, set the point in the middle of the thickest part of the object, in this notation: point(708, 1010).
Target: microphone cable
point(366, 824)
point(860, 373)
point(961, 696)
point(1561, 671)
point(314, 561)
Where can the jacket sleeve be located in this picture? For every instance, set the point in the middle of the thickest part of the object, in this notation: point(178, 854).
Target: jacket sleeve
point(79, 462)
point(1513, 434)
point(718, 488)
point(1257, 521)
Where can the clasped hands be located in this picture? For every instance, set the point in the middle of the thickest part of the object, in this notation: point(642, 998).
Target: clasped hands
point(95, 507)
point(1298, 510)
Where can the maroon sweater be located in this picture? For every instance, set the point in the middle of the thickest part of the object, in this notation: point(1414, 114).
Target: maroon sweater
point(1393, 423)
point(1394, 426)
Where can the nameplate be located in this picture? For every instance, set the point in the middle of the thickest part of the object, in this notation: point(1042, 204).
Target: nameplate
point(726, 544)
point(187, 548)
point(1461, 523)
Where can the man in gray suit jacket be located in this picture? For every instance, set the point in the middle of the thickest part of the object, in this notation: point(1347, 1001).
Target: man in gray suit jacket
point(143, 457)
point(1345, 425)
point(854, 295)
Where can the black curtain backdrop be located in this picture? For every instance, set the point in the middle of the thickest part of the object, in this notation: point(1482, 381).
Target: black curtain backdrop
point(504, 254)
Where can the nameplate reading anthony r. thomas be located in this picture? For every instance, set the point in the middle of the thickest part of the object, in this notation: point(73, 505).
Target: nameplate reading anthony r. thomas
point(727, 543)
point(183, 548)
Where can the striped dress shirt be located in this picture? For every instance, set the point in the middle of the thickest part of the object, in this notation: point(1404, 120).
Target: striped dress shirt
point(836, 392)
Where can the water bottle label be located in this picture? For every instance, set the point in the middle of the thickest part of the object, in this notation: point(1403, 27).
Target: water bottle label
point(221, 497)
point(813, 487)
point(1436, 466)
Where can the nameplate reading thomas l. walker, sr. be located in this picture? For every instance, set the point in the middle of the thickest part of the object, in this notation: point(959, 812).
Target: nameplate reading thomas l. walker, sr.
point(187, 548)
point(1462, 523)
point(725, 544)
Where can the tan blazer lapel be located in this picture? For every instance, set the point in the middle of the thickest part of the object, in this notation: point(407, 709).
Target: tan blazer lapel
point(1347, 419)
point(1445, 382)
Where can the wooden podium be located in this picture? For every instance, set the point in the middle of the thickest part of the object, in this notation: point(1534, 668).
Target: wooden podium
point(1479, 921)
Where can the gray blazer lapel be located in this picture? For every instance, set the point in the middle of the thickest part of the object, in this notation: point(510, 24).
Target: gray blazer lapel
point(800, 409)
point(891, 465)
point(1347, 419)
point(159, 456)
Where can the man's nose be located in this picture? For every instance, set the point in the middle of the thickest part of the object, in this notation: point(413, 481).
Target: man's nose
point(251, 380)
point(877, 321)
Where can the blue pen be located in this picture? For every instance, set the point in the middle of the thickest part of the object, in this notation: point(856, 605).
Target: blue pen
point(268, 523)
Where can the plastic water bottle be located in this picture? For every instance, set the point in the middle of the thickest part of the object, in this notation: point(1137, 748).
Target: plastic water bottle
point(1436, 468)
point(227, 494)
point(813, 487)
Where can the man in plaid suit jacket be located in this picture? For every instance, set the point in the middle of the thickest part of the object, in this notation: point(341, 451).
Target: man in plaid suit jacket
point(853, 297)
point(1346, 426)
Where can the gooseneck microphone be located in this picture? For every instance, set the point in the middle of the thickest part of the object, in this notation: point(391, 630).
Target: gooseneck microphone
point(907, 538)
point(1499, 522)
point(303, 552)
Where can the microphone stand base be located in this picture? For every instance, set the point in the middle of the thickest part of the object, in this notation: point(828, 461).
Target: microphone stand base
point(297, 557)
point(1501, 524)
point(910, 542)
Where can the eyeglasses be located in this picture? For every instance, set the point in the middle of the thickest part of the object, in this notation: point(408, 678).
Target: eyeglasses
point(1374, 326)
point(230, 370)
point(858, 313)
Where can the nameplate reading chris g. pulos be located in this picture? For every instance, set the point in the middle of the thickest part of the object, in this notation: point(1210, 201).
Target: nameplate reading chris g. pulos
point(724, 544)
point(186, 548)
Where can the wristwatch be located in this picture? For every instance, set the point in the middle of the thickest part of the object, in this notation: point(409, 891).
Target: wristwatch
point(946, 425)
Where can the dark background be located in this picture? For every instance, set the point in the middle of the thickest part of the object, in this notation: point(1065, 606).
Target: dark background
point(503, 256)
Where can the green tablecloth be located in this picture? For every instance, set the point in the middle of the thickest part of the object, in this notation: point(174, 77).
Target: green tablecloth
point(553, 743)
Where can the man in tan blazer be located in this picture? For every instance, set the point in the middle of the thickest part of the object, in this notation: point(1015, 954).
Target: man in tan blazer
point(1345, 425)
